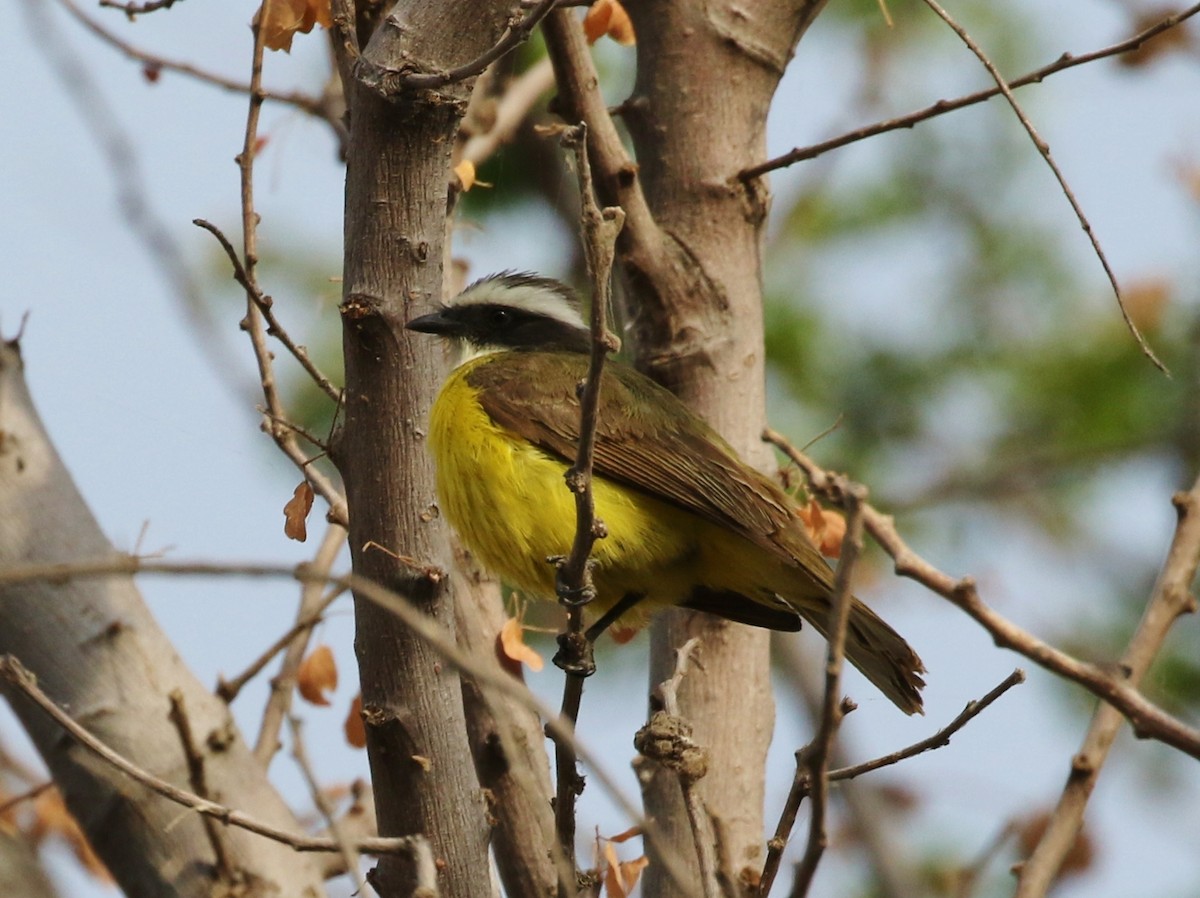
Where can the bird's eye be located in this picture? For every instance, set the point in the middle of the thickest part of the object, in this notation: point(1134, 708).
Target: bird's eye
point(501, 316)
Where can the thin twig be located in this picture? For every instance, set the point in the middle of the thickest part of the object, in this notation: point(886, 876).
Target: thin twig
point(511, 110)
point(1148, 720)
point(350, 855)
point(133, 10)
point(833, 708)
point(1064, 62)
point(27, 795)
point(283, 436)
point(312, 604)
point(573, 577)
point(801, 783)
point(264, 304)
point(15, 673)
point(1170, 598)
point(1044, 149)
point(939, 739)
point(421, 624)
point(513, 36)
point(314, 106)
point(197, 779)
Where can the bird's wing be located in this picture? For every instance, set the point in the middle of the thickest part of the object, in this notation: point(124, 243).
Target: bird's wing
point(647, 439)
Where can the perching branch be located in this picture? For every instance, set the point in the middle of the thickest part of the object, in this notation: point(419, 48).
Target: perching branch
point(573, 578)
point(1149, 721)
point(1064, 62)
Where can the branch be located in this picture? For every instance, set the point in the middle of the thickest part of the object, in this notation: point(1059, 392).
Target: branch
point(133, 10)
point(314, 106)
point(834, 708)
point(1170, 598)
point(386, 81)
point(1064, 62)
point(1148, 720)
point(12, 671)
point(350, 855)
point(1044, 149)
point(422, 625)
point(573, 577)
point(273, 416)
point(312, 605)
point(939, 739)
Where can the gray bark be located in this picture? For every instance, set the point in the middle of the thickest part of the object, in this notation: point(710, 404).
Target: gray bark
point(398, 171)
point(97, 651)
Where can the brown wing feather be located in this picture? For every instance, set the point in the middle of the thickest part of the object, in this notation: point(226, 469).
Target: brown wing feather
point(675, 456)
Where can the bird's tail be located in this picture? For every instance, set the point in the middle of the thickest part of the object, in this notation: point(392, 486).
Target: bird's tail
point(882, 654)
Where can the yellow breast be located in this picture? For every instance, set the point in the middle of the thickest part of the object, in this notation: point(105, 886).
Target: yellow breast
point(509, 503)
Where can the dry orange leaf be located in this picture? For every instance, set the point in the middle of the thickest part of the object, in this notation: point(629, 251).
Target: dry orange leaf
point(316, 674)
point(466, 174)
point(608, 17)
point(620, 877)
point(511, 645)
point(51, 818)
point(355, 730)
point(826, 528)
point(295, 513)
point(280, 20)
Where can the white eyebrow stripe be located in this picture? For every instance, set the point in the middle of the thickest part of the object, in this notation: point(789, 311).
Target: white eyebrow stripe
point(538, 296)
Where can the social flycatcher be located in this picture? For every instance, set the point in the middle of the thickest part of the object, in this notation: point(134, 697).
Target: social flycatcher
point(689, 523)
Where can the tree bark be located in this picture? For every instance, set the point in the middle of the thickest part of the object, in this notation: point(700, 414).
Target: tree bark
point(98, 652)
point(398, 170)
point(693, 127)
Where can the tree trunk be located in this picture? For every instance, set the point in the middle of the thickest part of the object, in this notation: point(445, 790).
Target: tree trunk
point(398, 171)
point(98, 652)
point(696, 321)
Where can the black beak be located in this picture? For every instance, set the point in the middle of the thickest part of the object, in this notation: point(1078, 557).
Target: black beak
point(434, 323)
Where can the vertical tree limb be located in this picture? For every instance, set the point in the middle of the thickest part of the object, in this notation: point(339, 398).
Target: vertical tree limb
point(398, 169)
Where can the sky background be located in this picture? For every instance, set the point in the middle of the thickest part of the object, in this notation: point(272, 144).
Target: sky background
point(165, 445)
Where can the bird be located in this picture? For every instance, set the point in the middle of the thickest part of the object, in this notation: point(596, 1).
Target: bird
point(688, 522)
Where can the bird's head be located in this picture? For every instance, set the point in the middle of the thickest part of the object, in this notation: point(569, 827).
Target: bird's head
point(510, 310)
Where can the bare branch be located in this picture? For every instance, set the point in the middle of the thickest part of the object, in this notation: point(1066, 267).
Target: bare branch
point(513, 36)
point(574, 578)
point(133, 10)
point(217, 837)
point(15, 673)
point(1044, 149)
point(1148, 720)
point(312, 605)
point(314, 106)
point(1170, 599)
point(816, 757)
point(939, 739)
point(512, 109)
point(1064, 62)
point(350, 855)
point(258, 303)
point(423, 626)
